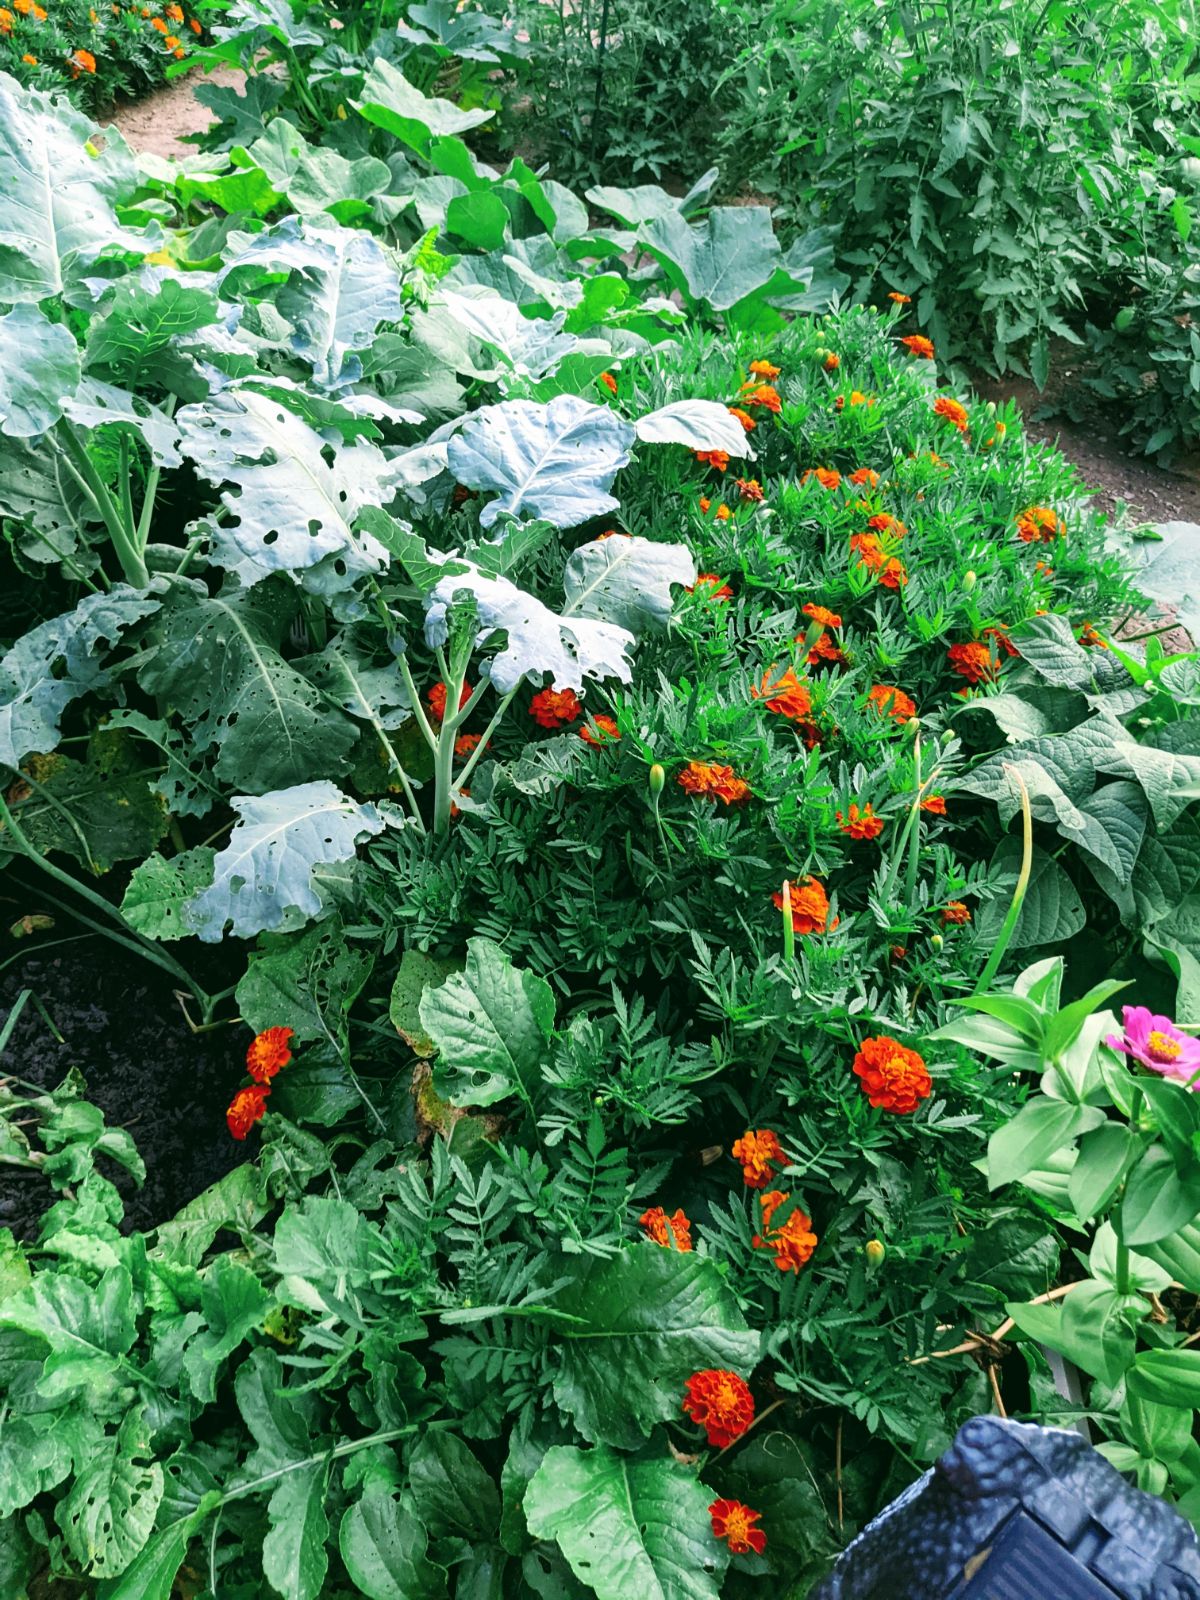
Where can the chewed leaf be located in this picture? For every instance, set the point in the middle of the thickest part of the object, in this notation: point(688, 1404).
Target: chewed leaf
point(266, 870)
point(538, 639)
point(627, 580)
point(95, 404)
point(556, 461)
point(699, 424)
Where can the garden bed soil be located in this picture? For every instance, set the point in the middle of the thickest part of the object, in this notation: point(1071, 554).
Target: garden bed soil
point(123, 1028)
point(156, 124)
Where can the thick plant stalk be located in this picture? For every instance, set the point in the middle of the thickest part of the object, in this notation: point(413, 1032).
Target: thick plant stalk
point(789, 927)
point(1014, 910)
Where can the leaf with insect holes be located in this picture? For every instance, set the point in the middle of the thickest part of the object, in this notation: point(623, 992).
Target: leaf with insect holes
point(627, 580)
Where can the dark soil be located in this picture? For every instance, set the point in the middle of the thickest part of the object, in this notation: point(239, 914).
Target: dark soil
point(124, 1030)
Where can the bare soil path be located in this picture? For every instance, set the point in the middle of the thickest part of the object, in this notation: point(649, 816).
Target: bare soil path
point(157, 123)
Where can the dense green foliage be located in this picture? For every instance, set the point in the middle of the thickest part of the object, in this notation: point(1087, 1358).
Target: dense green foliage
point(395, 605)
point(96, 54)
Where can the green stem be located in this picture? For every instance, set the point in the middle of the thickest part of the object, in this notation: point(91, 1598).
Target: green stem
point(427, 733)
point(789, 927)
point(473, 760)
point(914, 830)
point(1014, 910)
point(122, 535)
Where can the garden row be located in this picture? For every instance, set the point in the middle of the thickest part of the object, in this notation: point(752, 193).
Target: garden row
point(607, 732)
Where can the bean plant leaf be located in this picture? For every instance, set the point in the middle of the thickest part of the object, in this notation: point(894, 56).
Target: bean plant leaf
point(698, 424)
point(719, 261)
point(643, 1322)
point(491, 1025)
point(628, 581)
point(266, 870)
point(392, 103)
point(109, 1513)
point(1051, 911)
point(556, 461)
point(39, 365)
point(627, 1527)
point(383, 1545)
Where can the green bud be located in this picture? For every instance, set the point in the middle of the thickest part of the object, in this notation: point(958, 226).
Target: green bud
point(969, 581)
point(913, 727)
point(874, 310)
point(874, 1250)
point(658, 777)
point(936, 941)
point(990, 408)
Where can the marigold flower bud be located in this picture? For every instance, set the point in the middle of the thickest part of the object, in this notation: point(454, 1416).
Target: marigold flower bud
point(935, 939)
point(969, 581)
point(990, 408)
point(658, 778)
point(874, 1250)
point(913, 726)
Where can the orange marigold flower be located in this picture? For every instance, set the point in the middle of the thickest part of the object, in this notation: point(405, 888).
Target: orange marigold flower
point(955, 915)
point(1089, 636)
point(861, 823)
point(857, 398)
point(810, 907)
point(764, 369)
point(710, 587)
point(953, 412)
point(719, 1402)
point(899, 299)
point(827, 619)
point(174, 12)
point(81, 61)
point(749, 488)
point(24, 7)
point(549, 708)
point(893, 1076)
point(832, 362)
point(882, 522)
point(825, 476)
point(760, 1152)
point(268, 1053)
point(746, 420)
point(194, 25)
point(894, 574)
point(898, 952)
point(713, 458)
point(935, 804)
point(824, 650)
point(786, 695)
point(764, 395)
point(171, 42)
point(918, 345)
point(6, 20)
point(30, 61)
point(864, 475)
point(892, 702)
point(721, 514)
point(1038, 525)
point(159, 25)
point(973, 661)
point(793, 1241)
point(435, 699)
point(734, 1522)
point(609, 382)
point(1003, 642)
point(466, 744)
point(245, 1109)
point(604, 732)
point(662, 1228)
point(707, 779)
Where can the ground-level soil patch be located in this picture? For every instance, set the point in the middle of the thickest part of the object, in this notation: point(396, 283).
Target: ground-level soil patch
point(157, 123)
point(123, 1029)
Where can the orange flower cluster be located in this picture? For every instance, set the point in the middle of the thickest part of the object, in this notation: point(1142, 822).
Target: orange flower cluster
point(269, 1052)
point(609, 382)
point(744, 417)
point(953, 412)
point(918, 345)
point(763, 395)
point(955, 914)
point(857, 398)
point(883, 522)
point(662, 1228)
point(435, 699)
point(708, 780)
point(825, 476)
point(1038, 525)
point(80, 61)
point(713, 458)
point(893, 1077)
point(935, 804)
point(891, 702)
point(550, 708)
point(889, 570)
point(973, 661)
point(760, 1152)
point(764, 370)
point(827, 619)
point(466, 744)
point(999, 637)
point(786, 695)
point(749, 488)
point(604, 732)
point(719, 1402)
point(865, 477)
point(1089, 637)
point(810, 907)
point(832, 362)
point(793, 1241)
point(722, 513)
point(899, 299)
point(734, 1522)
point(710, 587)
point(861, 822)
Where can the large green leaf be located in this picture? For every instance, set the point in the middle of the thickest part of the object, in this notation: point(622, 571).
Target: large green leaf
point(627, 1528)
point(642, 1323)
point(392, 103)
point(39, 365)
point(1051, 911)
point(627, 581)
point(88, 1330)
point(217, 663)
point(232, 1303)
point(1114, 824)
point(263, 878)
point(1168, 568)
point(151, 1575)
point(139, 321)
point(556, 461)
point(454, 1496)
point(109, 1513)
point(1092, 1327)
point(310, 978)
point(1039, 1129)
point(719, 261)
point(491, 1024)
point(159, 887)
point(383, 1546)
point(315, 178)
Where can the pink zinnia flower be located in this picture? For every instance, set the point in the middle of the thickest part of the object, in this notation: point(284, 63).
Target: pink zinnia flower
point(1158, 1044)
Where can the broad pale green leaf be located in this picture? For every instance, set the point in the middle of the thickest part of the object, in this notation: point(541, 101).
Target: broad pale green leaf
point(293, 1556)
point(537, 640)
point(392, 103)
point(59, 199)
point(35, 1457)
point(233, 1303)
point(491, 1025)
point(1157, 1201)
point(627, 580)
point(556, 461)
point(39, 366)
point(383, 1545)
point(337, 307)
point(627, 1528)
point(454, 1496)
point(53, 519)
point(217, 663)
point(416, 973)
point(698, 424)
point(283, 20)
point(1050, 647)
point(719, 261)
point(1167, 1377)
point(1169, 778)
point(88, 1329)
point(530, 347)
point(315, 178)
point(239, 116)
point(1039, 1129)
point(1168, 569)
point(55, 663)
point(95, 404)
point(158, 887)
point(140, 321)
point(292, 510)
point(109, 1513)
point(266, 870)
point(644, 1322)
point(1091, 1327)
point(151, 1575)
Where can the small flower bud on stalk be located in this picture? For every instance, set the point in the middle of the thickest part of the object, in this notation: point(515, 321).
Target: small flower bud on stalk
point(913, 727)
point(658, 778)
point(935, 940)
point(969, 581)
point(874, 1250)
